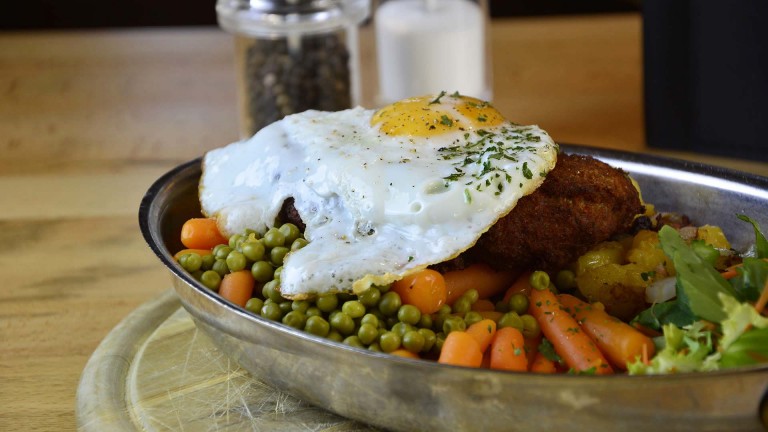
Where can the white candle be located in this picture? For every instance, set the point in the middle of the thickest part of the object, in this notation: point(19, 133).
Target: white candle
point(427, 46)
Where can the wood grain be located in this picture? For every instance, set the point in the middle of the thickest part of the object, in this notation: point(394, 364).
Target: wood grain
point(89, 119)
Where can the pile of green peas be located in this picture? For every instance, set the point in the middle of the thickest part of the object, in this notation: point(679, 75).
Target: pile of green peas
point(375, 319)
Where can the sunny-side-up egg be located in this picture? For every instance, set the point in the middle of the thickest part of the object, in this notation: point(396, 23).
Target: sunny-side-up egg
point(382, 193)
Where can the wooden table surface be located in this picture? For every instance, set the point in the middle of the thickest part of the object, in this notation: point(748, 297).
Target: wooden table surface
point(88, 120)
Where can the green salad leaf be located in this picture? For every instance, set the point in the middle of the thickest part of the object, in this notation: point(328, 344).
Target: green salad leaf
point(761, 244)
point(751, 279)
point(686, 349)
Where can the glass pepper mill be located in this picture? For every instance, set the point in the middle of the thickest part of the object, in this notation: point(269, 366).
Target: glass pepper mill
point(293, 55)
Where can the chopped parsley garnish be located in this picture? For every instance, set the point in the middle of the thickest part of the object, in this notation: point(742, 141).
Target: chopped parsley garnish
point(446, 120)
point(437, 99)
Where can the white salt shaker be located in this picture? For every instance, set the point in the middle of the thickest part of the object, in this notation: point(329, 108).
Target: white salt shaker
point(428, 46)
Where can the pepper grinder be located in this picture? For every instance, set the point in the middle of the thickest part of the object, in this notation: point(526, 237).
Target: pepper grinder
point(428, 46)
point(293, 55)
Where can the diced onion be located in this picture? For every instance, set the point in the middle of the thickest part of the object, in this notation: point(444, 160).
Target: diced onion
point(661, 290)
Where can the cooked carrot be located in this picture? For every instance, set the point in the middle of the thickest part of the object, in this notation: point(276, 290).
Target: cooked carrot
point(531, 347)
point(405, 353)
point(424, 289)
point(461, 349)
point(521, 285)
point(483, 305)
point(483, 332)
point(508, 350)
point(494, 315)
point(201, 233)
point(237, 287)
point(569, 340)
point(201, 252)
point(620, 342)
point(487, 281)
point(541, 364)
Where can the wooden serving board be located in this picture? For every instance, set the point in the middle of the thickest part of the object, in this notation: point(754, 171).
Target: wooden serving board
point(156, 372)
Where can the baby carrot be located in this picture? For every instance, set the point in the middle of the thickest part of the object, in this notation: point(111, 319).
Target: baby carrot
point(620, 342)
point(405, 353)
point(541, 364)
point(483, 305)
point(461, 349)
point(487, 281)
point(483, 332)
point(521, 285)
point(424, 289)
point(237, 287)
point(201, 233)
point(508, 350)
point(569, 340)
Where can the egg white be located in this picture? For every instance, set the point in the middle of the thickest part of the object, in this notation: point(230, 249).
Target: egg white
point(376, 207)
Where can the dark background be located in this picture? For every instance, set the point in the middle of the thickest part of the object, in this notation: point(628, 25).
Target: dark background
point(70, 14)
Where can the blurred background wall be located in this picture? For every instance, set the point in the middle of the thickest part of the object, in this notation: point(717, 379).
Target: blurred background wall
point(50, 14)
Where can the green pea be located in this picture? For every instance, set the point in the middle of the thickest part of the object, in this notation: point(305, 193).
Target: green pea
point(368, 333)
point(565, 280)
point(402, 328)
point(191, 262)
point(539, 280)
point(298, 244)
point(390, 303)
point(317, 325)
point(409, 314)
point(235, 241)
point(208, 261)
point(262, 271)
point(197, 274)
point(277, 255)
point(335, 336)
point(220, 267)
point(472, 317)
point(444, 309)
point(531, 328)
point(518, 303)
point(273, 238)
point(210, 279)
point(453, 323)
point(439, 340)
point(253, 250)
point(462, 305)
point(353, 341)
point(278, 272)
point(369, 297)
point(511, 319)
point(271, 310)
point(285, 306)
point(290, 232)
point(343, 323)
point(375, 347)
point(236, 261)
point(271, 291)
point(327, 302)
point(353, 308)
point(429, 338)
point(383, 288)
point(389, 341)
point(472, 295)
point(426, 321)
point(254, 305)
point(295, 319)
point(371, 319)
point(300, 305)
point(221, 251)
point(313, 311)
point(413, 341)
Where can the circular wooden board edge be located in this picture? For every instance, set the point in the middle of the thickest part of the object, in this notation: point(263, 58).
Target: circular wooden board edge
point(100, 402)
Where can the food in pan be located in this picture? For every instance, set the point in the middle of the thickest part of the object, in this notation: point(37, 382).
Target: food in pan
point(569, 273)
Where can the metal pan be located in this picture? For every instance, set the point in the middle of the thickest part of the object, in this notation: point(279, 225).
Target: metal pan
point(409, 395)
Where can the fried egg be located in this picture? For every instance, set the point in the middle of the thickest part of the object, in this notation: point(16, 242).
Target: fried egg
point(382, 193)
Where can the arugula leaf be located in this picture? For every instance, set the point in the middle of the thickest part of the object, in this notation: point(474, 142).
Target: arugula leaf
point(761, 244)
point(668, 312)
point(752, 276)
point(698, 283)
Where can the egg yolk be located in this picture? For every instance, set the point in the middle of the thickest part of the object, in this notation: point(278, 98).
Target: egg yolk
point(432, 115)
